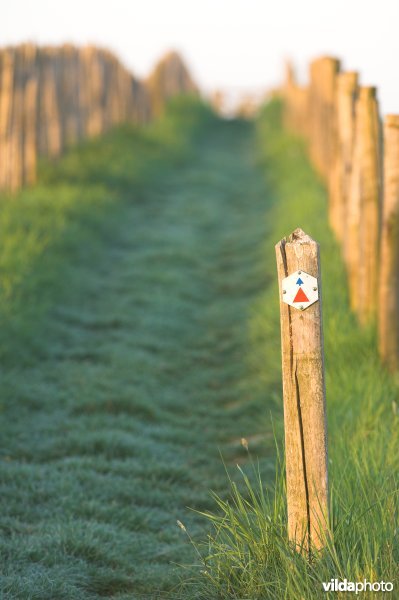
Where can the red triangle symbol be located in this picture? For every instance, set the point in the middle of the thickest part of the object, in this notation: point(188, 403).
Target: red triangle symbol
point(301, 296)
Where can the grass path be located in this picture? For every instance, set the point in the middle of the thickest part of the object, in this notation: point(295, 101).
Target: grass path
point(118, 398)
point(139, 337)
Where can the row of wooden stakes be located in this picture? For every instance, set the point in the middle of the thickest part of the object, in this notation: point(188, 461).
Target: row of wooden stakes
point(52, 97)
point(357, 155)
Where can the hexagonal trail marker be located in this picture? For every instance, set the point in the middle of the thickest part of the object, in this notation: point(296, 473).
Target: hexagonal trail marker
point(300, 290)
point(298, 268)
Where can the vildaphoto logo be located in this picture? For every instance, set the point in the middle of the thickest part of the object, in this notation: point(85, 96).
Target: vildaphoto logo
point(336, 585)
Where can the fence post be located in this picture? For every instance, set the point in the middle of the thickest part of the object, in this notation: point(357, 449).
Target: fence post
point(363, 211)
point(323, 72)
point(388, 301)
point(370, 182)
point(7, 74)
point(30, 107)
point(346, 86)
point(298, 268)
point(16, 128)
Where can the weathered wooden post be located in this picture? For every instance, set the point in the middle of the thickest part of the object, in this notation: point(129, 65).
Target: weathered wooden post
point(288, 93)
point(30, 106)
point(346, 87)
point(7, 74)
point(363, 209)
point(323, 72)
point(388, 300)
point(49, 125)
point(370, 182)
point(16, 129)
point(298, 267)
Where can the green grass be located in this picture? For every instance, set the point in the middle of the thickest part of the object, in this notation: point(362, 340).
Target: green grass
point(245, 554)
point(139, 339)
point(127, 280)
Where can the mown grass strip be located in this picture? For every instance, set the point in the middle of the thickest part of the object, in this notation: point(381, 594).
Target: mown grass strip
point(129, 273)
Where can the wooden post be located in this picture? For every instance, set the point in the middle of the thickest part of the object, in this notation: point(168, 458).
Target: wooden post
point(29, 125)
point(388, 301)
point(49, 127)
point(295, 103)
point(370, 215)
point(323, 72)
point(304, 399)
point(6, 107)
point(30, 145)
point(351, 242)
point(16, 129)
point(345, 122)
point(364, 205)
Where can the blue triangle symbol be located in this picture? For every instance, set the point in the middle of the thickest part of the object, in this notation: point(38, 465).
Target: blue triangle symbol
point(299, 282)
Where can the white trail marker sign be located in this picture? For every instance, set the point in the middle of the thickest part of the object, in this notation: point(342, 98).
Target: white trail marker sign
point(300, 290)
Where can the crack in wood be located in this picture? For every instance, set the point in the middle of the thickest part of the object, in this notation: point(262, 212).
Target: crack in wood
point(305, 478)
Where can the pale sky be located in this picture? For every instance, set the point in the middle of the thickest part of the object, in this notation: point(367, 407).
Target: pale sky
point(228, 44)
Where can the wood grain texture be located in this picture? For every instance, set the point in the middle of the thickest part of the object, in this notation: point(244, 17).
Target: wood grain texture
point(304, 400)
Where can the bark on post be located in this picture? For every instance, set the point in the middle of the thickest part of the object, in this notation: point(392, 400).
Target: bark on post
point(304, 400)
point(388, 301)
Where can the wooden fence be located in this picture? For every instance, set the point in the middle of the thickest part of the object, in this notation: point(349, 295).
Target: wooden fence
point(358, 158)
point(52, 97)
